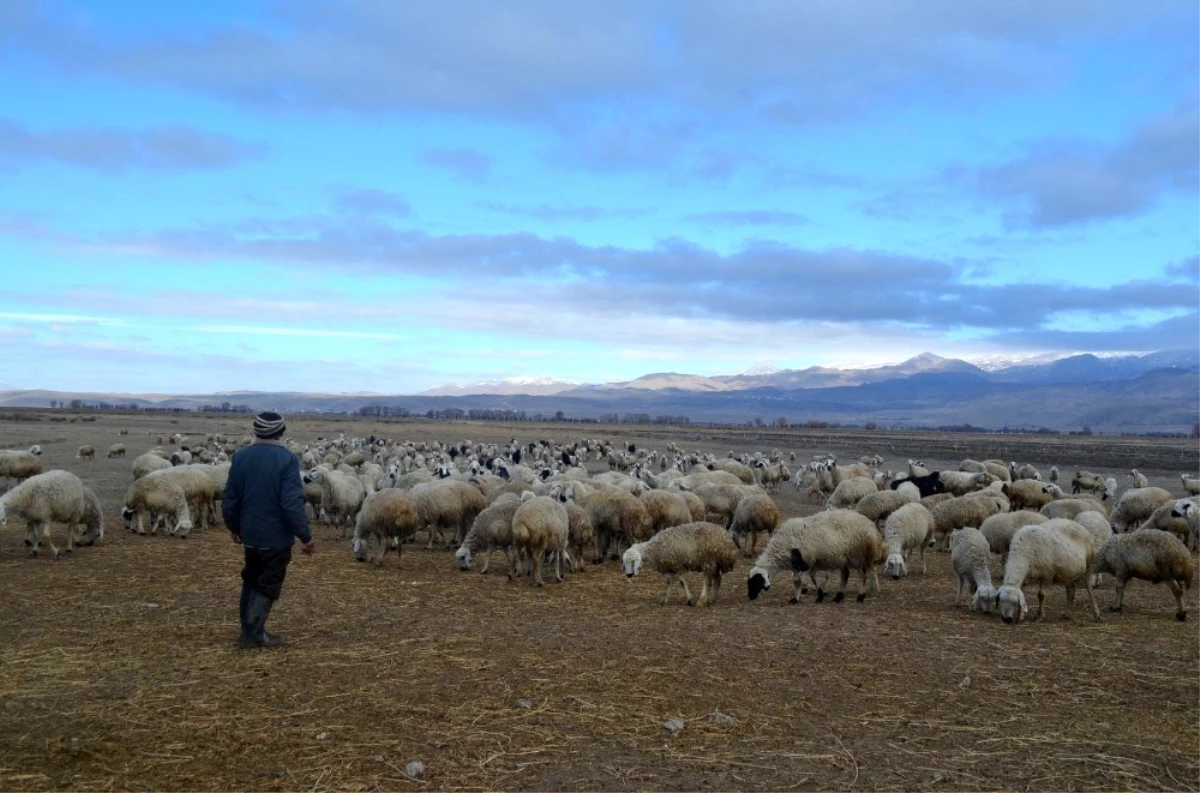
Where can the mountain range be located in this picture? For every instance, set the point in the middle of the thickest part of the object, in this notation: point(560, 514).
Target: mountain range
point(1158, 391)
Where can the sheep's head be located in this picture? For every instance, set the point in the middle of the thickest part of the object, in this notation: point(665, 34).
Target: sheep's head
point(127, 516)
point(895, 566)
point(463, 557)
point(368, 548)
point(1010, 600)
point(631, 561)
point(1183, 508)
point(758, 582)
point(983, 599)
point(35, 450)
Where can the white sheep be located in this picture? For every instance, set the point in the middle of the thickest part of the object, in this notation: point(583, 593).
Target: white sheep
point(145, 463)
point(908, 528)
point(971, 558)
point(1151, 555)
point(387, 518)
point(1090, 482)
point(1070, 507)
point(117, 450)
point(1026, 494)
point(877, 506)
point(342, 495)
point(491, 529)
point(540, 526)
point(20, 464)
point(86, 452)
point(1059, 551)
point(1139, 479)
point(1136, 505)
point(1191, 485)
point(755, 513)
point(960, 483)
point(1026, 471)
point(693, 547)
point(839, 539)
point(850, 491)
point(969, 510)
point(1097, 525)
point(160, 497)
point(43, 499)
point(999, 529)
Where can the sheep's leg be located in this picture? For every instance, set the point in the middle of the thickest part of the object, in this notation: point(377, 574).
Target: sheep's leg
point(35, 530)
point(716, 587)
point(537, 552)
point(753, 543)
point(670, 588)
point(558, 565)
point(687, 593)
point(962, 586)
point(1041, 603)
point(921, 550)
point(487, 559)
point(844, 575)
point(1177, 591)
point(44, 529)
point(798, 588)
point(703, 600)
point(1087, 582)
point(870, 582)
point(141, 527)
point(1119, 586)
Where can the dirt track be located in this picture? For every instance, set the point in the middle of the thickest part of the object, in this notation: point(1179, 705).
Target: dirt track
point(118, 666)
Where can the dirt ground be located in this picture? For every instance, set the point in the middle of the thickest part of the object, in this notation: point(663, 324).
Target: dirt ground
point(119, 668)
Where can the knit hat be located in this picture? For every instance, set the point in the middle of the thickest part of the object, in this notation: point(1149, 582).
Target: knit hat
point(268, 424)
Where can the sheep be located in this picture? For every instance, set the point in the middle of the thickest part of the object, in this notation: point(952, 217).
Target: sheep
point(20, 465)
point(969, 510)
point(540, 526)
point(387, 518)
point(971, 558)
point(960, 483)
point(491, 529)
point(909, 527)
point(929, 484)
point(999, 529)
point(1059, 551)
point(117, 450)
point(1092, 483)
point(616, 515)
point(1151, 555)
point(86, 452)
point(665, 508)
point(1172, 517)
point(160, 496)
point(693, 547)
point(877, 506)
point(772, 477)
point(342, 495)
point(1189, 510)
point(1026, 494)
point(743, 472)
point(1070, 507)
point(198, 487)
point(1137, 505)
point(722, 500)
point(145, 463)
point(1018, 473)
point(447, 504)
point(839, 539)
point(850, 491)
point(44, 498)
point(1191, 485)
point(93, 519)
point(755, 513)
point(1139, 479)
point(1053, 477)
point(580, 535)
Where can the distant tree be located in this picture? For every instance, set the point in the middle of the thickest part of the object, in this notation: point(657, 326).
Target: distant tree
point(1196, 430)
point(781, 422)
point(871, 425)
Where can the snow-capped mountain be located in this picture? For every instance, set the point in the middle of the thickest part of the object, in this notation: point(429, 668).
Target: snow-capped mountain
point(542, 385)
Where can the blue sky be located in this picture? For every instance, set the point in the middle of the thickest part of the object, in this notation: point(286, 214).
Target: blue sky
point(379, 195)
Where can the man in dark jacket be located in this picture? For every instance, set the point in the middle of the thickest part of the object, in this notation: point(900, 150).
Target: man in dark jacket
point(263, 506)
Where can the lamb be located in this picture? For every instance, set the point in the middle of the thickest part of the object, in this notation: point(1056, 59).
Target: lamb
point(160, 496)
point(909, 527)
point(1059, 551)
point(971, 558)
point(1191, 485)
point(1151, 555)
point(970, 510)
point(961, 483)
point(999, 529)
point(540, 526)
point(839, 539)
point(491, 529)
point(929, 485)
point(693, 547)
point(387, 518)
point(342, 495)
point(42, 499)
point(20, 465)
point(878, 506)
point(850, 491)
point(1137, 505)
point(755, 513)
point(116, 450)
point(86, 452)
point(1026, 494)
point(145, 463)
point(1139, 479)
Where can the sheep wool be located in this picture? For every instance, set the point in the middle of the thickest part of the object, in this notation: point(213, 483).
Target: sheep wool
point(692, 547)
point(43, 499)
point(971, 558)
point(1151, 555)
point(839, 539)
point(1059, 551)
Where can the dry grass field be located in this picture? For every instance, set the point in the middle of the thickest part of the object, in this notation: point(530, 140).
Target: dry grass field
point(119, 668)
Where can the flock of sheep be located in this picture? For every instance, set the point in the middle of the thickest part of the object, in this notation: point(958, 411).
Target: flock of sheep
point(673, 512)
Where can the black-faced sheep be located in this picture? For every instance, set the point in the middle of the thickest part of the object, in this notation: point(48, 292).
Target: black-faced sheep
point(1059, 551)
point(839, 540)
point(693, 547)
point(1151, 555)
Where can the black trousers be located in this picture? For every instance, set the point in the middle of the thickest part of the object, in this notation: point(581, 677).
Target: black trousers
point(265, 570)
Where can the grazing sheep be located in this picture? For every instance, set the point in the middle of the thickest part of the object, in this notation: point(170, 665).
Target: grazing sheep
point(1136, 505)
point(19, 464)
point(971, 558)
point(491, 529)
point(1059, 551)
point(148, 462)
point(1151, 555)
point(447, 504)
point(772, 477)
point(929, 484)
point(1070, 507)
point(198, 487)
point(960, 483)
point(1139, 479)
point(877, 506)
point(1172, 517)
point(43, 499)
point(1026, 494)
point(155, 495)
point(387, 518)
point(1092, 483)
point(86, 452)
point(617, 517)
point(839, 539)
point(342, 495)
point(755, 513)
point(960, 511)
point(665, 508)
point(999, 529)
point(849, 492)
point(116, 450)
point(908, 528)
point(743, 472)
point(722, 500)
point(540, 526)
point(693, 547)
point(1191, 485)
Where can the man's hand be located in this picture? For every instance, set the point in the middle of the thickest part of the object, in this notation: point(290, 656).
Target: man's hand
point(309, 548)
point(237, 538)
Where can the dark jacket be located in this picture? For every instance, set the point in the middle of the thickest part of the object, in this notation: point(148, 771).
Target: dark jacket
point(263, 500)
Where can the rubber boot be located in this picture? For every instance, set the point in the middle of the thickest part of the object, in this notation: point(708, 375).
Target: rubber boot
point(258, 608)
point(243, 606)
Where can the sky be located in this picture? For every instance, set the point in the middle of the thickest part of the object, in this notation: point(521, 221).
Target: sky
point(390, 195)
